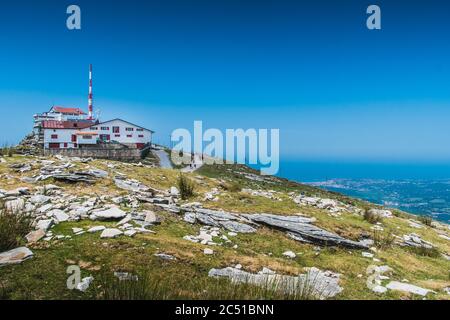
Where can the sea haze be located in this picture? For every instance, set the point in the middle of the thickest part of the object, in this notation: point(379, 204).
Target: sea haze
point(422, 189)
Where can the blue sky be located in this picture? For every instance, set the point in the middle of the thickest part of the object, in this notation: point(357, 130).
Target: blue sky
point(336, 90)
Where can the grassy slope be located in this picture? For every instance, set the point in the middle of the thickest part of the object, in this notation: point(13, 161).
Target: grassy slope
point(44, 276)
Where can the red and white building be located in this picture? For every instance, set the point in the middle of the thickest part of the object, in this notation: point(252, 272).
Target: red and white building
point(65, 128)
point(88, 133)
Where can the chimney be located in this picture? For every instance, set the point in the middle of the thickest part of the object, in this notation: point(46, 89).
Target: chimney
point(90, 97)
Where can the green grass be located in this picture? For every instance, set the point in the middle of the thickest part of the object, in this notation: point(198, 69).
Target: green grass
point(44, 276)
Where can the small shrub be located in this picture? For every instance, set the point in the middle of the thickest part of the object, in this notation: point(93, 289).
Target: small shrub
point(10, 152)
point(426, 220)
point(383, 240)
point(143, 288)
point(186, 187)
point(232, 186)
point(425, 252)
point(14, 226)
point(371, 217)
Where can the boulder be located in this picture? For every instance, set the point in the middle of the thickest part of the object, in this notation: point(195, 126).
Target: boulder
point(15, 256)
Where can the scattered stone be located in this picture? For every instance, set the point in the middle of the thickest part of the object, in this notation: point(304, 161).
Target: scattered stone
point(125, 276)
point(414, 240)
point(111, 233)
point(15, 256)
point(367, 254)
point(130, 233)
point(84, 284)
point(174, 192)
point(59, 215)
point(165, 256)
point(35, 236)
point(151, 218)
point(208, 251)
point(130, 185)
point(300, 229)
point(96, 229)
point(406, 287)
point(44, 224)
point(77, 230)
point(112, 213)
point(289, 254)
point(39, 199)
point(321, 285)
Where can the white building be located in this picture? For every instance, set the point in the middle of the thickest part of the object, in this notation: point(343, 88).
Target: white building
point(88, 133)
point(121, 131)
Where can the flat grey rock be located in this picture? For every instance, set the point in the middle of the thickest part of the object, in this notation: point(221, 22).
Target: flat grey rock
point(295, 225)
point(238, 227)
point(44, 224)
point(39, 199)
point(113, 213)
point(15, 256)
point(319, 284)
point(96, 229)
point(35, 236)
point(406, 287)
point(111, 233)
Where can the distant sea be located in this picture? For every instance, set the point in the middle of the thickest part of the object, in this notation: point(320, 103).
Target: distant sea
point(422, 189)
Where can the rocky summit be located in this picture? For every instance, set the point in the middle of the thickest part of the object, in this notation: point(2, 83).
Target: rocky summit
point(238, 234)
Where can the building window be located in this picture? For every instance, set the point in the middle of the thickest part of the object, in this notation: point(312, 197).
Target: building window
point(141, 136)
point(139, 129)
point(54, 136)
point(94, 128)
point(104, 137)
point(129, 129)
point(116, 129)
point(117, 135)
point(65, 144)
point(104, 128)
point(129, 136)
point(87, 137)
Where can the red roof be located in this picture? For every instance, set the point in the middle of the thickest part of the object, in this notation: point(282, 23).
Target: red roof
point(76, 111)
point(53, 124)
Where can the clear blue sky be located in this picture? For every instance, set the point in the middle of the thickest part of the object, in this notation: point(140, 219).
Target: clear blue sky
point(312, 69)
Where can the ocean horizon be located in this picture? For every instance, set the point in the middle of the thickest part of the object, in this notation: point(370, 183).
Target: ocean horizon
point(417, 188)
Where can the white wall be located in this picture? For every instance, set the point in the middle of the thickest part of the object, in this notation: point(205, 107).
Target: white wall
point(123, 134)
point(85, 140)
point(64, 136)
